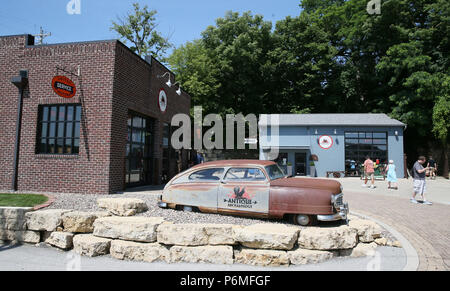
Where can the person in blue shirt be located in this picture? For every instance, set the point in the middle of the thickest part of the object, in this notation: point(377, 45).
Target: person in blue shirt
point(391, 176)
point(200, 159)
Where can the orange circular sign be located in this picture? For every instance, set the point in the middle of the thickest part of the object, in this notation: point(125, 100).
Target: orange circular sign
point(64, 87)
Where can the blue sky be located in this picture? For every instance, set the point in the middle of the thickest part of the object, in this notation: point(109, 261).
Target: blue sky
point(184, 19)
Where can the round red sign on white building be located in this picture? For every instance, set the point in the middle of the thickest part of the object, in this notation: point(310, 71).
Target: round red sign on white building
point(162, 100)
point(326, 142)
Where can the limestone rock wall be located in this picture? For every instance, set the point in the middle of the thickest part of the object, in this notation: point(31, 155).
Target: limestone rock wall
point(151, 239)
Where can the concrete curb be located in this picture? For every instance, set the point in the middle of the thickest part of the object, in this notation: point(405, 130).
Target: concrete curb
point(412, 258)
point(49, 202)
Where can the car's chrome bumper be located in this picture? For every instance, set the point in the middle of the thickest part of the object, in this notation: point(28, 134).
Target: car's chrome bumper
point(341, 215)
point(161, 204)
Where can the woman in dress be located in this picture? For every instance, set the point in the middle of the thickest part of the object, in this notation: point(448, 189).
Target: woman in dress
point(391, 176)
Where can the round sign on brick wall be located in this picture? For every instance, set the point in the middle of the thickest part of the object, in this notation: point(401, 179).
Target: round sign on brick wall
point(64, 87)
point(162, 100)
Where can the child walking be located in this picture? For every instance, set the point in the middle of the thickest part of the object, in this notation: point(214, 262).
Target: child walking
point(391, 176)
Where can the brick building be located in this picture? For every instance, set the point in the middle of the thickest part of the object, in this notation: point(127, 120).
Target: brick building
point(112, 134)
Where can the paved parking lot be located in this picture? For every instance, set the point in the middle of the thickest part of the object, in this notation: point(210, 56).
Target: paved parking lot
point(426, 227)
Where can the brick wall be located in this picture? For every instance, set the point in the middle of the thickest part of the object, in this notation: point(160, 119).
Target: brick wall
point(113, 80)
point(136, 88)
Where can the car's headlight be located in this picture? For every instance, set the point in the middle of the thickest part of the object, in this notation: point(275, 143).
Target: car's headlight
point(333, 199)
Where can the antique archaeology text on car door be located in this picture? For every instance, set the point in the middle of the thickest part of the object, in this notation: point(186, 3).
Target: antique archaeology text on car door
point(244, 190)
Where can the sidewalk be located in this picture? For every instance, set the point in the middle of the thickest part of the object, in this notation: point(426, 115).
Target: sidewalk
point(426, 227)
point(31, 258)
point(438, 190)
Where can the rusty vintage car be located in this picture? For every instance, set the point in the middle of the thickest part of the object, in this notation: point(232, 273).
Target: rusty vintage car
point(257, 189)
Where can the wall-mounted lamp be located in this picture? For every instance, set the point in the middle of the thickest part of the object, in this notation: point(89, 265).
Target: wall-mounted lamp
point(396, 133)
point(179, 88)
point(316, 132)
point(169, 83)
point(335, 131)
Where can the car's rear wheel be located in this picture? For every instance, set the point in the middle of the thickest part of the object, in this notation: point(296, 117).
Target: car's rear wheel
point(305, 220)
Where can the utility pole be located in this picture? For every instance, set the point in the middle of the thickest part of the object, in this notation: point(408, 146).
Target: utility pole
point(42, 35)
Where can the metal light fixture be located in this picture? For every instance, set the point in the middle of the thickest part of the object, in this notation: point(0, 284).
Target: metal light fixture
point(179, 88)
point(396, 133)
point(169, 82)
point(335, 131)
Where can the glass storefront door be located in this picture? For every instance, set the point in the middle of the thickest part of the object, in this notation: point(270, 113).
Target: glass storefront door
point(358, 145)
point(300, 164)
point(139, 155)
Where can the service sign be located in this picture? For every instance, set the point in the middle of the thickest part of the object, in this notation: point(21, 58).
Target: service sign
point(162, 100)
point(64, 87)
point(326, 142)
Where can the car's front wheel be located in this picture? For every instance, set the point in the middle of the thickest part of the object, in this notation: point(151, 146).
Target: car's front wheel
point(305, 220)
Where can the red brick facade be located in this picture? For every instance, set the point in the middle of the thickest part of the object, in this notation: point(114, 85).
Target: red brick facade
point(112, 81)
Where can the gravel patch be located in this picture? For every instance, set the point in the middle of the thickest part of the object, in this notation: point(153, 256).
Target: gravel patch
point(84, 202)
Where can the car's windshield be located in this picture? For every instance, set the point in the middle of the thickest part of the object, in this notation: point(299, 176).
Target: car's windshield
point(275, 172)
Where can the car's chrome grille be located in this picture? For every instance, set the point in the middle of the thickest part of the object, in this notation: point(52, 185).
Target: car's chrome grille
point(339, 202)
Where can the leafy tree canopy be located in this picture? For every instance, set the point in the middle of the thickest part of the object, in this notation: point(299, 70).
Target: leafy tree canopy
point(139, 28)
point(333, 57)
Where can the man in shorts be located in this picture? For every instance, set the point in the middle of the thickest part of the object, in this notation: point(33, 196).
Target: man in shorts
point(369, 172)
point(420, 186)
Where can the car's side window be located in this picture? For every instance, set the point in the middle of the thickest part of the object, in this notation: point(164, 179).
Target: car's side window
point(207, 175)
point(245, 174)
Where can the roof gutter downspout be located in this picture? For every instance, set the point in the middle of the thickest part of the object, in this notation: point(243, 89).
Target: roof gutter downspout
point(20, 82)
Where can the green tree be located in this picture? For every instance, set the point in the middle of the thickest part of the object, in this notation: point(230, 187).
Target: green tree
point(196, 72)
point(139, 28)
point(394, 62)
point(301, 63)
point(238, 46)
point(441, 122)
point(333, 57)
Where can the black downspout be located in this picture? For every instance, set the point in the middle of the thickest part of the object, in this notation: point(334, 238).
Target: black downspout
point(20, 82)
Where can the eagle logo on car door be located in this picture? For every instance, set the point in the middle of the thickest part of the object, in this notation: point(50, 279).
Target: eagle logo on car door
point(240, 198)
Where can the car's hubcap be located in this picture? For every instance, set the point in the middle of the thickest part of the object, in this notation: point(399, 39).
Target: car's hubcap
point(302, 219)
point(187, 208)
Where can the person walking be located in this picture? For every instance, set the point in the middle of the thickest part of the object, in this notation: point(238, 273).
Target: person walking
point(432, 165)
point(200, 159)
point(369, 172)
point(391, 176)
point(420, 187)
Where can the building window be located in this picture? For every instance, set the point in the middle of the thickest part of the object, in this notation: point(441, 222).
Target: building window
point(358, 145)
point(59, 129)
point(166, 153)
point(283, 161)
point(139, 151)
